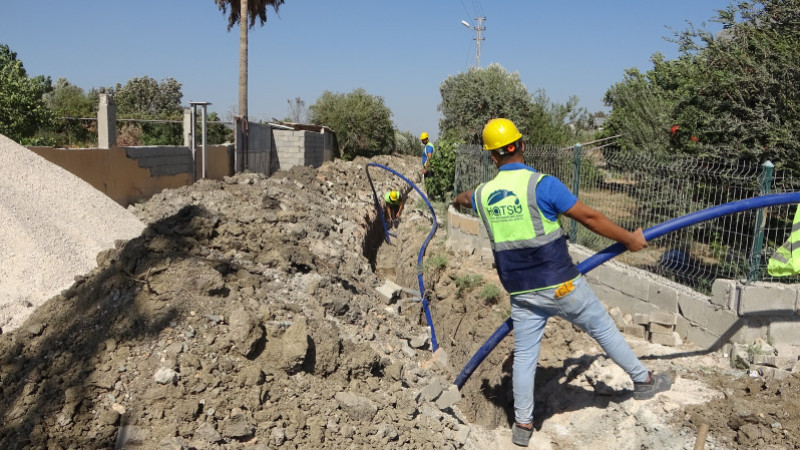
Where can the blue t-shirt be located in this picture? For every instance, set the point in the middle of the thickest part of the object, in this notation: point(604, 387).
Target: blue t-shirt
point(427, 152)
point(552, 196)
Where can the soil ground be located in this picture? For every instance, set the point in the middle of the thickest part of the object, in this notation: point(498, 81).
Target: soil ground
point(250, 314)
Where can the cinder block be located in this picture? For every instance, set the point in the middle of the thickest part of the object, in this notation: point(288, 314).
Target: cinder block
point(697, 310)
point(768, 298)
point(682, 327)
point(663, 297)
point(657, 328)
point(785, 332)
point(749, 330)
point(725, 323)
point(725, 294)
point(663, 318)
point(641, 319)
point(671, 340)
point(601, 275)
point(612, 297)
point(634, 330)
point(630, 283)
point(702, 338)
point(765, 360)
point(470, 226)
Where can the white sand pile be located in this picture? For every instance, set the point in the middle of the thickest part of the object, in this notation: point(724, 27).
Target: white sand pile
point(52, 226)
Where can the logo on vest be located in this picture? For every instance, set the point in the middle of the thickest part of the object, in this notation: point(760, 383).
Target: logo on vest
point(503, 205)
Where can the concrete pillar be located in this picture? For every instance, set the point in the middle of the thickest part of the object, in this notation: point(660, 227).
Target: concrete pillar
point(106, 122)
point(187, 127)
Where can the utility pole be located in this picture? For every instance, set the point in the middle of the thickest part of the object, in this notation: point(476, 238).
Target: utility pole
point(478, 39)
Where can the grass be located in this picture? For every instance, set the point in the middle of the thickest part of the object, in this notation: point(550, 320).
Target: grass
point(467, 282)
point(491, 294)
point(437, 261)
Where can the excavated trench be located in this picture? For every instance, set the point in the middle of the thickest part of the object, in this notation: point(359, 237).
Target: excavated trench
point(461, 321)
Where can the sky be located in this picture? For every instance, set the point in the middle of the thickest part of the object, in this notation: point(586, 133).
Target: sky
point(399, 51)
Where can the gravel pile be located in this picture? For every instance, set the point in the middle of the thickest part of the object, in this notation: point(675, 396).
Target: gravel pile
point(53, 226)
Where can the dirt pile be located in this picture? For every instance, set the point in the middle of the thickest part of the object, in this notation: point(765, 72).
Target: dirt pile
point(244, 313)
point(253, 313)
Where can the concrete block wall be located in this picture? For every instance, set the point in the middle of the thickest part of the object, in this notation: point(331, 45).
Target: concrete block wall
point(302, 148)
point(734, 312)
point(162, 160)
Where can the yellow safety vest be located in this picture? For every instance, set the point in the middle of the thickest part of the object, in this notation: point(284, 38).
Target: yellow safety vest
point(786, 260)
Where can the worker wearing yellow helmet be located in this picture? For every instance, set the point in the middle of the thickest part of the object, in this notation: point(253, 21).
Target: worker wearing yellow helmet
point(520, 210)
point(427, 153)
point(392, 207)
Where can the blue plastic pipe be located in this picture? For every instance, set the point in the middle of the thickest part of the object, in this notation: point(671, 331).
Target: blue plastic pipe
point(425, 307)
point(615, 249)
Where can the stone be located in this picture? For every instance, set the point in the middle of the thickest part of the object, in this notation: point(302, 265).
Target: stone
point(449, 397)
point(431, 391)
point(357, 407)
point(165, 375)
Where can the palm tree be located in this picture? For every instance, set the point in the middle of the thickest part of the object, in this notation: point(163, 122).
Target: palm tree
point(245, 12)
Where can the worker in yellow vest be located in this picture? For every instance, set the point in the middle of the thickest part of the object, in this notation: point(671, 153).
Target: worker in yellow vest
point(392, 207)
point(519, 209)
point(786, 260)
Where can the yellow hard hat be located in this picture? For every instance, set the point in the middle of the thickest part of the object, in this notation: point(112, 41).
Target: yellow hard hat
point(423, 136)
point(394, 196)
point(499, 133)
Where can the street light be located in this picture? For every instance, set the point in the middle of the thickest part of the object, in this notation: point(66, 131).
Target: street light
point(478, 40)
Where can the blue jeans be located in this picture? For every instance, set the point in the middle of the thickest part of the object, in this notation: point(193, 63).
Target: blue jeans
point(530, 312)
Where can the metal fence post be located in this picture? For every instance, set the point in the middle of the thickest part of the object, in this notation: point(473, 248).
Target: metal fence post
point(758, 231)
point(576, 185)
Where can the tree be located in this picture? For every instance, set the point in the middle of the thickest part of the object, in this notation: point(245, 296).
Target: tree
point(70, 102)
point(730, 95)
point(298, 113)
point(245, 12)
point(146, 98)
point(641, 113)
point(550, 123)
point(406, 143)
point(362, 122)
point(471, 99)
point(23, 110)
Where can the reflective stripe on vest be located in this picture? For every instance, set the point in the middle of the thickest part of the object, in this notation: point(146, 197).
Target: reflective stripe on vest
point(786, 260)
point(510, 214)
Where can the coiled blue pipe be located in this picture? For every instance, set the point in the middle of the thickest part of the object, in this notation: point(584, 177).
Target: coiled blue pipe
point(425, 308)
point(615, 249)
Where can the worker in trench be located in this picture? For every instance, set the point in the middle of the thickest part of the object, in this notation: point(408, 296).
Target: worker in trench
point(520, 209)
point(393, 207)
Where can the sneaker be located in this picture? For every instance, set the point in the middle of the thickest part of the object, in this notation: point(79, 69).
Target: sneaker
point(521, 436)
point(658, 383)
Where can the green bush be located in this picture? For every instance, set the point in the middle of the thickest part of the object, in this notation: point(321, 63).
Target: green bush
point(405, 143)
point(442, 168)
point(362, 122)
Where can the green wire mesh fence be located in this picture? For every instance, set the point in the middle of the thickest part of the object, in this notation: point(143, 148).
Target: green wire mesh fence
point(642, 190)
